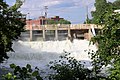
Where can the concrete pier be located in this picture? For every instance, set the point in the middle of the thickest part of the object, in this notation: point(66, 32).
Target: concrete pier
point(56, 33)
point(43, 29)
point(69, 35)
point(31, 33)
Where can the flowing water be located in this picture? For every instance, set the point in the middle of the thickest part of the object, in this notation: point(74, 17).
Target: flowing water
point(40, 53)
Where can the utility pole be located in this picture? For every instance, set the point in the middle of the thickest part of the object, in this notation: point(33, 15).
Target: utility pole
point(30, 27)
point(46, 8)
point(87, 15)
point(41, 18)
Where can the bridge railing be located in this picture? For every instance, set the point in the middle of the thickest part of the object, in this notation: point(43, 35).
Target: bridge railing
point(62, 27)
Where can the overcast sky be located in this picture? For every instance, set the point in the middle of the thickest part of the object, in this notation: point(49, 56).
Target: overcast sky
point(72, 10)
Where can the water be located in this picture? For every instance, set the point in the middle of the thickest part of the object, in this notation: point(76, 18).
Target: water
point(40, 53)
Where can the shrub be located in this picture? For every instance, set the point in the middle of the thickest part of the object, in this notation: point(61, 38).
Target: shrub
point(22, 73)
point(68, 68)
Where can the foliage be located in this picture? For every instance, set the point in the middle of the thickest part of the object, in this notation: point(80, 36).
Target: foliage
point(68, 68)
point(114, 72)
point(22, 73)
point(9, 76)
point(116, 4)
point(108, 46)
point(51, 22)
point(62, 21)
point(88, 21)
point(10, 28)
point(102, 8)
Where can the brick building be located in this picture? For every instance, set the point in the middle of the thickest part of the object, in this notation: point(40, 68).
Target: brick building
point(35, 22)
point(40, 21)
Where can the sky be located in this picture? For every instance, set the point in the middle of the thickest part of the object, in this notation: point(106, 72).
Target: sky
point(72, 10)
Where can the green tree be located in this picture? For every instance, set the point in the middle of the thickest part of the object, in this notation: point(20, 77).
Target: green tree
point(51, 22)
point(116, 4)
point(102, 8)
point(62, 21)
point(10, 27)
point(108, 41)
point(108, 52)
point(68, 68)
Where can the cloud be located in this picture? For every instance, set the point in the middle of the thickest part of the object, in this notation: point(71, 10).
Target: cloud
point(34, 5)
point(39, 3)
point(83, 2)
point(57, 7)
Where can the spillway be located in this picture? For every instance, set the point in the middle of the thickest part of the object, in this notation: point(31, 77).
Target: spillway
point(40, 53)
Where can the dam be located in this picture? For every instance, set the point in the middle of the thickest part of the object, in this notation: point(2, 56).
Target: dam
point(59, 32)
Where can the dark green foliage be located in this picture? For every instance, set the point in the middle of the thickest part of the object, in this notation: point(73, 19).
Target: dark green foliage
point(51, 22)
point(108, 41)
point(68, 68)
point(116, 4)
point(10, 28)
point(22, 73)
point(102, 8)
point(62, 21)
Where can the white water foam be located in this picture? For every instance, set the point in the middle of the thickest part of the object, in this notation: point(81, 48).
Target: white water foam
point(40, 53)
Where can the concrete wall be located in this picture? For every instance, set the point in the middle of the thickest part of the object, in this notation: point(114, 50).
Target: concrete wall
point(59, 32)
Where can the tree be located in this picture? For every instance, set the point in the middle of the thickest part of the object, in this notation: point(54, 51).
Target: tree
point(10, 27)
point(116, 4)
point(108, 40)
point(102, 8)
point(51, 22)
point(68, 68)
point(62, 21)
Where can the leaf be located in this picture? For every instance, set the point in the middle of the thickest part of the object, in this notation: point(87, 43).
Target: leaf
point(35, 73)
point(28, 66)
point(17, 68)
point(12, 66)
point(39, 78)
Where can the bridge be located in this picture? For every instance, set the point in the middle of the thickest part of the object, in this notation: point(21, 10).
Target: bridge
point(62, 27)
point(56, 32)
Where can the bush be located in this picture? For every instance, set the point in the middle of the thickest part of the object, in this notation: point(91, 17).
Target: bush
point(68, 68)
point(22, 73)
